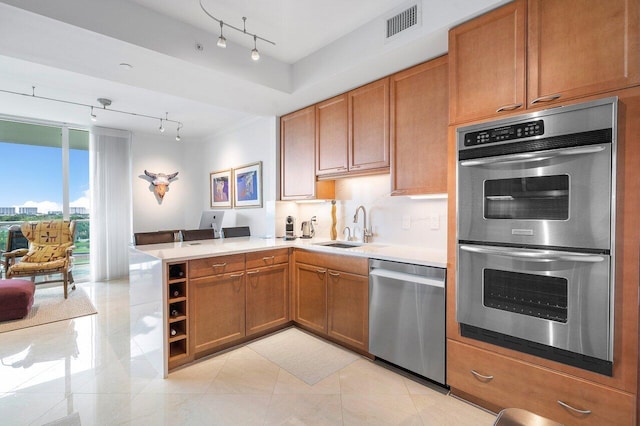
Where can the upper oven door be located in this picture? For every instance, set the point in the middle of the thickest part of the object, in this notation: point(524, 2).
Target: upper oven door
point(559, 197)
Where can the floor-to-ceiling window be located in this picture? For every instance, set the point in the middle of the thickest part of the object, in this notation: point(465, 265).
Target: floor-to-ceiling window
point(44, 169)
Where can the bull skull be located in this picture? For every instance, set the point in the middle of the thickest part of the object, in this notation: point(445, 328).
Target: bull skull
point(160, 182)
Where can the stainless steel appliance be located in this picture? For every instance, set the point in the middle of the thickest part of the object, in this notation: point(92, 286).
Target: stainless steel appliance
point(535, 233)
point(407, 316)
point(308, 231)
point(290, 228)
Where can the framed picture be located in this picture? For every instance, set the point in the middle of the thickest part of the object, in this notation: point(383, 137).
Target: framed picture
point(248, 184)
point(221, 189)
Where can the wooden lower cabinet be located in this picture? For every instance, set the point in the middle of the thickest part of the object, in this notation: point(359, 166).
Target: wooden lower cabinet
point(310, 303)
point(499, 381)
point(267, 300)
point(348, 308)
point(217, 310)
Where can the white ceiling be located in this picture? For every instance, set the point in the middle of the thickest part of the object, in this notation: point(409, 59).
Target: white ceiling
point(71, 49)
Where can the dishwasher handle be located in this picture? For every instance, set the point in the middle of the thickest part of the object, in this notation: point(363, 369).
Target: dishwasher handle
point(403, 276)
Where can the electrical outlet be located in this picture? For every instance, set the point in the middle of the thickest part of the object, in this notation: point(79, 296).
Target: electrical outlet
point(434, 221)
point(406, 221)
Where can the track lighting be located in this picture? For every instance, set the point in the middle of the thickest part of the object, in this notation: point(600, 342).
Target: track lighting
point(255, 55)
point(222, 42)
point(105, 102)
point(178, 133)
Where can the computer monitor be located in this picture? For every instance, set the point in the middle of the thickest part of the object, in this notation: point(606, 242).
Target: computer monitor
point(212, 219)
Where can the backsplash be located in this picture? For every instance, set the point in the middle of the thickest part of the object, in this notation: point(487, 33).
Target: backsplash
point(385, 214)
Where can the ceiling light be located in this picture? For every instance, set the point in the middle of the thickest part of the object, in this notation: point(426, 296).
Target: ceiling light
point(105, 102)
point(161, 128)
point(222, 42)
point(255, 55)
point(178, 133)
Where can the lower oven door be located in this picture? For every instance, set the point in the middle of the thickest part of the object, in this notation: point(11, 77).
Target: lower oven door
point(554, 298)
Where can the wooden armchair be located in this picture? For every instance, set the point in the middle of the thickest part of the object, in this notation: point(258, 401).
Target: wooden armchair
point(50, 250)
point(15, 241)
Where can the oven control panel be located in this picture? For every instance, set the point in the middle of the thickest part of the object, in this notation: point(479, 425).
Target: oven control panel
point(506, 133)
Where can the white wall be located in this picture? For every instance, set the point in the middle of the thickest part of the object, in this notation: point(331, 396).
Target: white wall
point(254, 141)
point(384, 213)
point(159, 153)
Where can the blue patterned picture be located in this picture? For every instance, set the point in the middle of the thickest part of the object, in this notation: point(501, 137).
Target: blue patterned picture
point(248, 185)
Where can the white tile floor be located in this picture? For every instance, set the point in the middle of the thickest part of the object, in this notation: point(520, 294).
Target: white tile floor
point(89, 371)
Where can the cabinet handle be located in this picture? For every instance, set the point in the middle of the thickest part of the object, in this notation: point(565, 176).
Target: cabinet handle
point(252, 272)
point(481, 376)
point(548, 98)
point(219, 265)
point(509, 107)
point(321, 271)
point(334, 274)
point(236, 275)
point(567, 406)
point(268, 258)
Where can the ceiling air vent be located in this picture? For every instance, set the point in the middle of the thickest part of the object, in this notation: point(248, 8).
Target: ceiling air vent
point(403, 20)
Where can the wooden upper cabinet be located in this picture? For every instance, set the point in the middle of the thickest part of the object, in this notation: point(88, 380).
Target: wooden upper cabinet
point(297, 151)
point(581, 47)
point(419, 119)
point(369, 126)
point(332, 136)
point(487, 60)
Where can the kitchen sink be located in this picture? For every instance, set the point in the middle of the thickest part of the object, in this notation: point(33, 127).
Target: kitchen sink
point(340, 244)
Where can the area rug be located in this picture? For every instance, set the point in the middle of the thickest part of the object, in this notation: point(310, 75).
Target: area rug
point(306, 357)
point(49, 305)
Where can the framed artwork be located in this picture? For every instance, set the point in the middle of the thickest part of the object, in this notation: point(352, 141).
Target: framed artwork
point(221, 189)
point(248, 185)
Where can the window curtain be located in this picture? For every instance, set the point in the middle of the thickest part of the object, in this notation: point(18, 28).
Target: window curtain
point(110, 181)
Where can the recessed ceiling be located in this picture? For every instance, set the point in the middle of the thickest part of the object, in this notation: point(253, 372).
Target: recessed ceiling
point(72, 49)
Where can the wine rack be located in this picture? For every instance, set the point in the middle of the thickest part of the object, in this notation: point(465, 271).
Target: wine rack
point(177, 314)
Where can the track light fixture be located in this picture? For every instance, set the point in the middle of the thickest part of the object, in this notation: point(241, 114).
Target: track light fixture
point(105, 103)
point(222, 42)
point(178, 132)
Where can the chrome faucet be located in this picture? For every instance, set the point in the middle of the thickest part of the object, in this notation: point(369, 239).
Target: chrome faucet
point(366, 232)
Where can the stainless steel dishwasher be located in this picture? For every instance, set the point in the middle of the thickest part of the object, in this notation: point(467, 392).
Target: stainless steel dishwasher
point(407, 316)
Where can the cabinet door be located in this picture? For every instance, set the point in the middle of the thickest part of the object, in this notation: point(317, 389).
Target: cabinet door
point(369, 126)
point(331, 136)
point(218, 310)
point(311, 296)
point(267, 298)
point(487, 60)
point(297, 151)
point(581, 47)
point(348, 308)
point(419, 119)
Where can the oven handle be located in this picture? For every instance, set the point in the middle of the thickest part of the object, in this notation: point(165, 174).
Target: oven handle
point(532, 156)
point(535, 255)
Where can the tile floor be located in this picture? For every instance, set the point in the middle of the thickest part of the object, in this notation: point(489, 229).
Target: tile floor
point(88, 371)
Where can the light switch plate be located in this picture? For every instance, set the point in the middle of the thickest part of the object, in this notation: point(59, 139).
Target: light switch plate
point(406, 221)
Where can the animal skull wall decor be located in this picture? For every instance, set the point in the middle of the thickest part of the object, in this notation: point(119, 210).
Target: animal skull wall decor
point(160, 182)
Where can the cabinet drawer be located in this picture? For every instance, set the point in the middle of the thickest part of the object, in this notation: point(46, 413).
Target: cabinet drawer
point(216, 265)
point(507, 382)
point(260, 259)
point(345, 263)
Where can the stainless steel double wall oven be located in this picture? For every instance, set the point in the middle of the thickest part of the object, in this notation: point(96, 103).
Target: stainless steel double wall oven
point(536, 217)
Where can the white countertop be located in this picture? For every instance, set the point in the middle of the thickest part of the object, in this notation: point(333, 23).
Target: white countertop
point(172, 252)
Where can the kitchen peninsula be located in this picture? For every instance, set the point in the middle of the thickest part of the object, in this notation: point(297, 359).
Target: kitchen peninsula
point(174, 287)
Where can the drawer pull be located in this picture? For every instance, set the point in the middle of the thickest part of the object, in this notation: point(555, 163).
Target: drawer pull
point(546, 98)
point(268, 258)
point(321, 271)
point(481, 376)
point(568, 407)
point(508, 107)
point(236, 275)
point(252, 272)
point(219, 265)
point(334, 274)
